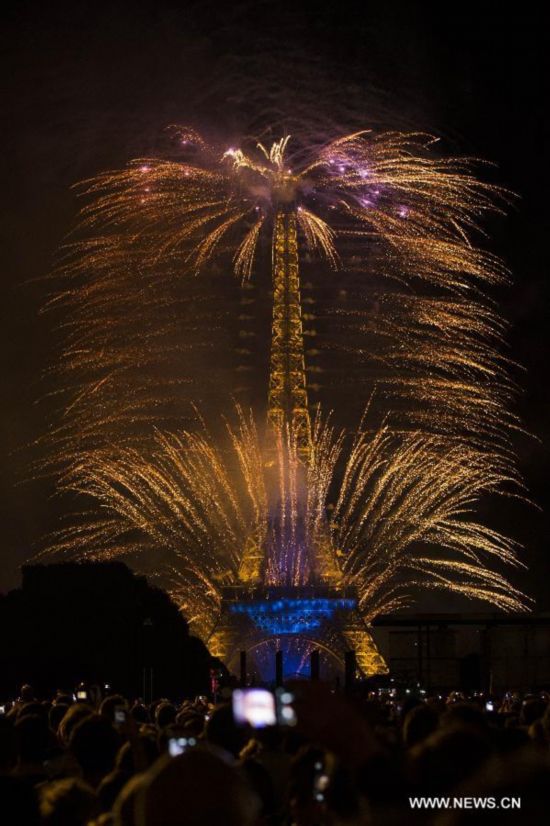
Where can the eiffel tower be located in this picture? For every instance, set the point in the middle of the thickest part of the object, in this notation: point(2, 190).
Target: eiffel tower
point(322, 613)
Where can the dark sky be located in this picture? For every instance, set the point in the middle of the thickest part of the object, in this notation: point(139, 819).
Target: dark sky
point(90, 85)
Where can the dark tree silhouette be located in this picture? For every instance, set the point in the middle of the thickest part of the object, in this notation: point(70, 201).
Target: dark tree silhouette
point(101, 623)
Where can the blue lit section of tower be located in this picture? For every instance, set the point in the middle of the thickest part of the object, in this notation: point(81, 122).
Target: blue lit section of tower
point(292, 615)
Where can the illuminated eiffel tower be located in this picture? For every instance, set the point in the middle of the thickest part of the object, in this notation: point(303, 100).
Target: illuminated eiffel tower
point(322, 613)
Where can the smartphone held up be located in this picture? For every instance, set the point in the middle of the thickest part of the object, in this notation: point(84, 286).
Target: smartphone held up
point(260, 708)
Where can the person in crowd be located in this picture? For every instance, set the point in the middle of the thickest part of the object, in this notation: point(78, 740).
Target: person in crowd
point(522, 778)
point(67, 802)
point(72, 717)
point(110, 705)
point(126, 766)
point(532, 709)
point(94, 744)
point(165, 714)
point(194, 789)
point(32, 740)
point(222, 732)
point(447, 757)
point(419, 723)
point(346, 761)
point(140, 713)
point(125, 806)
point(55, 715)
point(26, 695)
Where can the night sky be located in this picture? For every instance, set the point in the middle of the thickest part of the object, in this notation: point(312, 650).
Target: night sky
point(91, 85)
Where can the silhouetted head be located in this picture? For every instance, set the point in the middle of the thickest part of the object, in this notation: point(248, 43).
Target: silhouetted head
point(125, 761)
point(63, 697)
point(420, 722)
point(447, 757)
point(32, 739)
point(409, 702)
point(165, 714)
point(464, 714)
point(125, 768)
point(73, 716)
point(26, 695)
point(34, 708)
point(67, 802)
point(509, 739)
point(124, 808)
point(519, 777)
point(532, 709)
point(140, 713)
point(221, 730)
point(190, 722)
point(56, 714)
point(94, 743)
point(109, 705)
point(195, 789)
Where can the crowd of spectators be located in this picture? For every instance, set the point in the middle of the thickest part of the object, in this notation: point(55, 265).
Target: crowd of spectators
point(88, 760)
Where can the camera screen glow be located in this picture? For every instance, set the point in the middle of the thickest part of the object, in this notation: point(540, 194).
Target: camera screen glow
point(255, 707)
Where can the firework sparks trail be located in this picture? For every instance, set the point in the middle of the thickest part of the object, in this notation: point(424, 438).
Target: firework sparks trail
point(401, 514)
point(381, 208)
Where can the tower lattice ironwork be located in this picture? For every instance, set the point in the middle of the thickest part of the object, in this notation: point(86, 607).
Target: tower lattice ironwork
point(288, 401)
point(242, 624)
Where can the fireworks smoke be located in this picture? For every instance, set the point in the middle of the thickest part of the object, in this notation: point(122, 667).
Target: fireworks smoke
point(389, 220)
point(380, 216)
point(396, 512)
